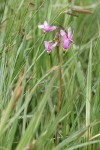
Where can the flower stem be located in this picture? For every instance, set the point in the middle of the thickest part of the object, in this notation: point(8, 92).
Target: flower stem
point(60, 80)
point(60, 90)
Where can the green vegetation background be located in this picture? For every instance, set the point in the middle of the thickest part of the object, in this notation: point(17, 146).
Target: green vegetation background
point(29, 80)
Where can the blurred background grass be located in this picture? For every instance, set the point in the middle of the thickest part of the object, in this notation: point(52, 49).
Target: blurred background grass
point(29, 76)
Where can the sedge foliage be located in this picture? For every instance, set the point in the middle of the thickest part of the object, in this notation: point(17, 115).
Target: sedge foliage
point(29, 81)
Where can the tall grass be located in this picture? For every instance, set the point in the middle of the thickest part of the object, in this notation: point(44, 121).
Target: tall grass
point(29, 79)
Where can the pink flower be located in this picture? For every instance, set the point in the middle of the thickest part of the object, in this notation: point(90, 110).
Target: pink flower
point(49, 47)
point(46, 27)
point(66, 39)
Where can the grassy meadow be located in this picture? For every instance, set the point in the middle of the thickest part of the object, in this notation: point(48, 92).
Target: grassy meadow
point(47, 104)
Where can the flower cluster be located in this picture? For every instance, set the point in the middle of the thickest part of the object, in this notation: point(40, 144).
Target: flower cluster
point(64, 37)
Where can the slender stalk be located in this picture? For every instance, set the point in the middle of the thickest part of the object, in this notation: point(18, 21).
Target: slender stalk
point(60, 79)
point(60, 90)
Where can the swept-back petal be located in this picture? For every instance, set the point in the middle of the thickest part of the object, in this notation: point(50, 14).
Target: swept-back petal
point(62, 32)
point(55, 44)
point(52, 28)
point(70, 34)
point(47, 45)
point(45, 23)
point(41, 26)
point(65, 43)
